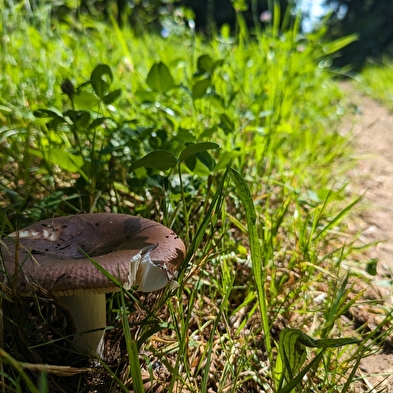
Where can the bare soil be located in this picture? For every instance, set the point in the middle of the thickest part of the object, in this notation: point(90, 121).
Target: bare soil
point(371, 125)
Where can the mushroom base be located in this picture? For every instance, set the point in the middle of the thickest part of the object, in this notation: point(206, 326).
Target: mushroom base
point(88, 311)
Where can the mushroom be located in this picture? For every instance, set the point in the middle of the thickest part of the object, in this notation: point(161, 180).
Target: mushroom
point(136, 251)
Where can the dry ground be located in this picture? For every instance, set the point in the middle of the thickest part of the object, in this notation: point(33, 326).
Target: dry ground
point(372, 127)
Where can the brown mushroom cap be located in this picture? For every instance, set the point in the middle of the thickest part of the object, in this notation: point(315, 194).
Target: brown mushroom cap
point(49, 252)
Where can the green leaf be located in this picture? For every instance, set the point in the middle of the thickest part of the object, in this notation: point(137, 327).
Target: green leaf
point(206, 159)
point(5, 108)
point(226, 123)
point(205, 64)
point(97, 122)
point(218, 63)
point(258, 269)
point(292, 354)
point(195, 148)
point(159, 78)
point(85, 100)
point(297, 380)
point(335, 342)
point(79, 118)
point(217, 101)
point(200, 88)
point(336, 45)
point(200, 164)
point(54, 123)
point(100, 79)
point(42, 113)
point(83, 119)
point(226, 158)
point(112, 97)
point(146, 95)
point(292, 351)
point(225, 31)
point(209, 132)
point(186, 135)
point(65, 160)
point(159, 159)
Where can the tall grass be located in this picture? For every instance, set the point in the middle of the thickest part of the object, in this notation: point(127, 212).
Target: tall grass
point(262, 215)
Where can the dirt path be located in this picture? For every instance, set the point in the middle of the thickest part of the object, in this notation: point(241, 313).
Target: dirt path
point(372, 127)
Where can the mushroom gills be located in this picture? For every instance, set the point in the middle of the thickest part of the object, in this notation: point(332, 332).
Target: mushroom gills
point(147, 275)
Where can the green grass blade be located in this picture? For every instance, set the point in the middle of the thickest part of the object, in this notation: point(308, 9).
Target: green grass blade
point(135, 367)
point(245, 196)
point(132, 349)
point(337, 218)
point(43, 382)
point(212, 212)
point(212, 337)
point(121, 40)
point(299, 377)
point(6, 358)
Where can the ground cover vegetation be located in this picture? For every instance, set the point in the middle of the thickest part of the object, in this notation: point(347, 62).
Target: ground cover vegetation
point(234, 144)
point(376, 80)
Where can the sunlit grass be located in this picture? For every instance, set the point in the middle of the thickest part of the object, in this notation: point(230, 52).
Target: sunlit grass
point(265, 236)
point(377, 80)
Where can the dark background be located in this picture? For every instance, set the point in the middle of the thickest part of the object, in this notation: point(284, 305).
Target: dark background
point(372, 20)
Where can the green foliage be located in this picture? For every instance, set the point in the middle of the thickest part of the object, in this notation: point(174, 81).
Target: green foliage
point(163, 160)
point(376, 80)
point(292, 342)
point(83, 136)
point(292, 355)
point(233, 143)
point(159, 78)
point(258, 262)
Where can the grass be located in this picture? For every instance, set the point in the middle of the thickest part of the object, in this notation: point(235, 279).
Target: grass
point(263, 216)
point(376, 78)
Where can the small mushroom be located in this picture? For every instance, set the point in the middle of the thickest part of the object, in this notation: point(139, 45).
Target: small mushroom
point(136, 251)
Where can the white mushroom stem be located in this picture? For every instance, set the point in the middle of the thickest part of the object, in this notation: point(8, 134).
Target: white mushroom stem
point(88, 309)
point(89, 313)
